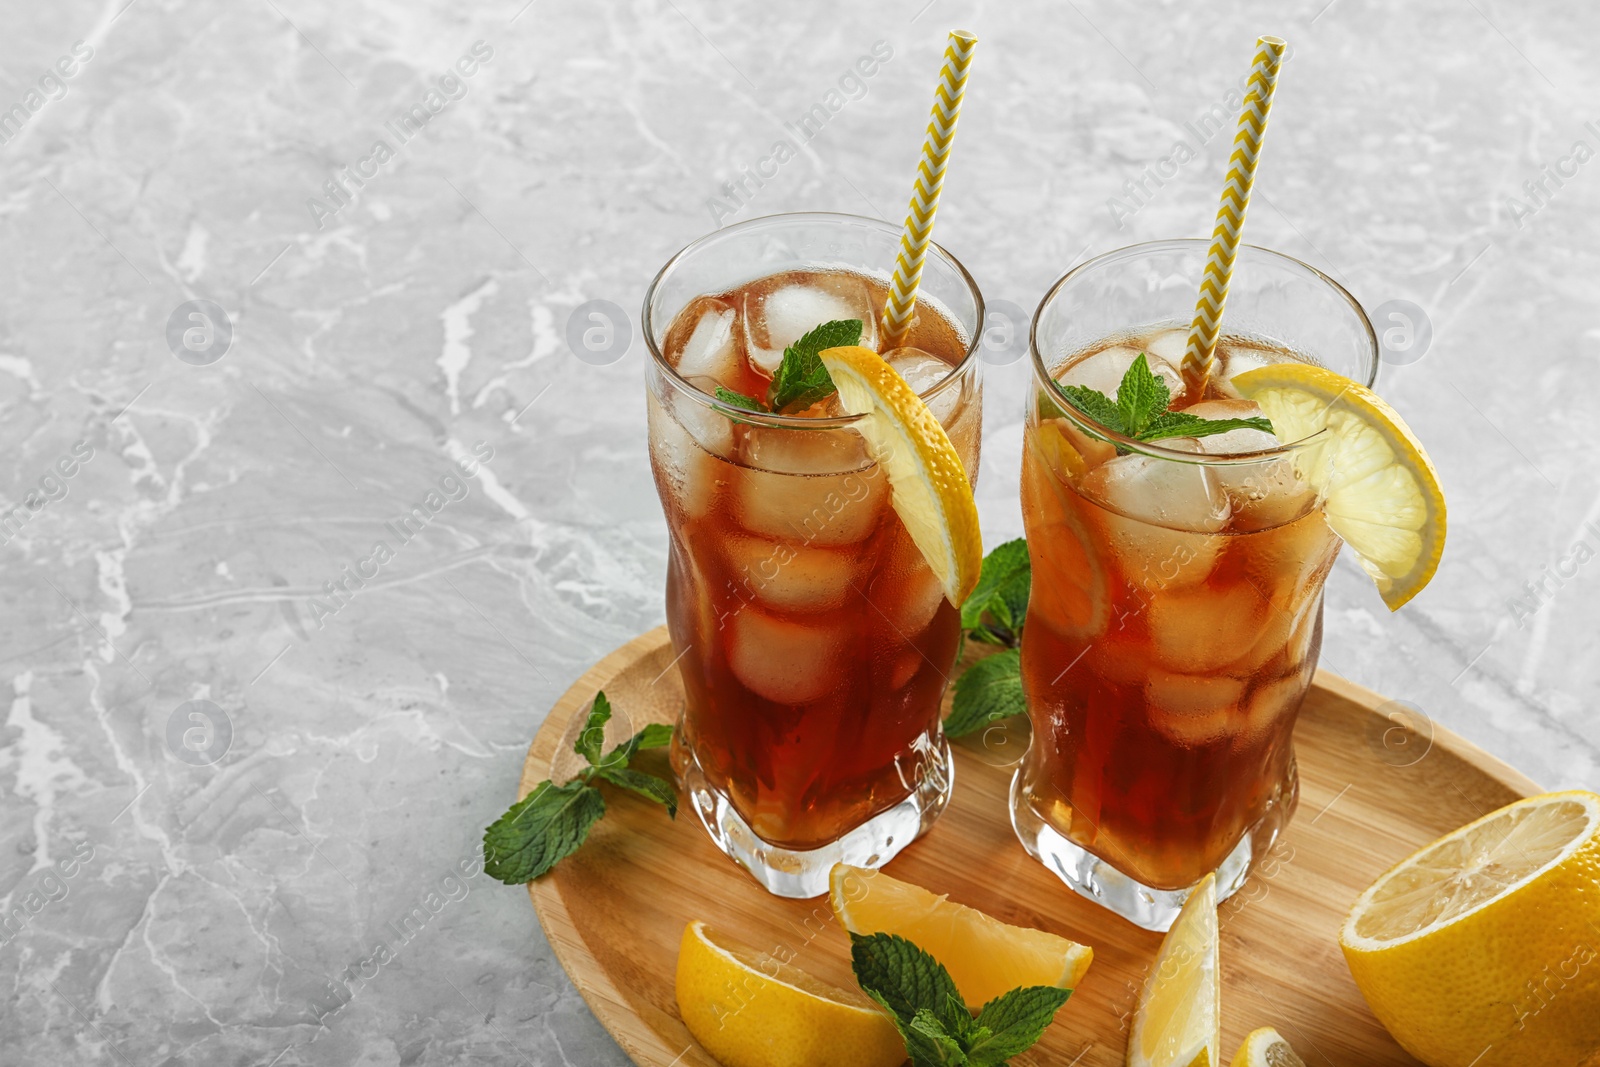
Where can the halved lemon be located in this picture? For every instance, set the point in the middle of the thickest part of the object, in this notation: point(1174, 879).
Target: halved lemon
point(1179, 1019)
point(985, 957)
point(1484, 947)
point(1266, 1048)
point(753, 1010)
point(1383, 495)
point(928, 485)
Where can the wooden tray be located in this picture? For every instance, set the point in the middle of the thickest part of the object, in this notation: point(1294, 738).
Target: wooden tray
point(1372, 791)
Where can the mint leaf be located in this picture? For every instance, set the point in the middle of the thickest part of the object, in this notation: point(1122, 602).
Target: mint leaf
point(929, 1043)
point(1095, 404)
point(955, 1018)
point(1141, 396)
point(931, 1016)
point(739, 400)
point(655, 735)
point(986, 692)
point(657, 789)
point(543, 828)
point(1183, 424)
point(1140, 409)
point(1015, 1020)
point(1001, 594)
point(801, 379)
point(593, 734)
point(550, 823)
point(899, 975)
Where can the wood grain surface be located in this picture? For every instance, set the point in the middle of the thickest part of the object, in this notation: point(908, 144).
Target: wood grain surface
point(1372, 790)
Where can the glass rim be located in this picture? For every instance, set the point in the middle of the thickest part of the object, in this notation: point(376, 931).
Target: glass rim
point(1221, 459)
point(801, 422)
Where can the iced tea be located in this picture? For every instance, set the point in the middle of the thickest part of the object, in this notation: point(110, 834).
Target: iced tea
point(1172, 632)
point(813, 640)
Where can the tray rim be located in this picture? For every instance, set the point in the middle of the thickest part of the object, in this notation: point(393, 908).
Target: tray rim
point(600, 993)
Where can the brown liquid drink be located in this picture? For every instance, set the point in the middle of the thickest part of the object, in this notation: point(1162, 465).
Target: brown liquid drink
point(1172, 632)
point(1175, 617)
point(813, 640)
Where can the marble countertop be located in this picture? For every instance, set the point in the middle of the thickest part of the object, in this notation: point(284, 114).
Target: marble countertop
point(272, 269)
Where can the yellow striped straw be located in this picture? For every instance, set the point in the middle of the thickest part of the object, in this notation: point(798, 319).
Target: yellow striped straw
point(1200, 356)
point(930, 180)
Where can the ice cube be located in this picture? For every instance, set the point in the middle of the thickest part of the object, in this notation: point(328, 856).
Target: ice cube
point(1103, 371)
point(1238, 359)
point(790, 577)
point(710, 428)
point(1269, 704)
point(1286, 632)
point(691, 476)
point(816, 510)
point(1169, 345)
point(1192, 709)
point(832, 451)
point(776, 318)
point(1263, 494)
point(1197, 630)
point(711, 349)
point(922, 372)
point(1160, 511)
point(1232, 360)
point(1267, 494)
point(1241, 440)
point(1289, 559)
point(1161, 490)
point(781, 660)
point(914, 608)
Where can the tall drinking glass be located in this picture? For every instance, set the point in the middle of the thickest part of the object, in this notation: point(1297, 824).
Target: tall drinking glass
point(813, 640)
point(1176, 613)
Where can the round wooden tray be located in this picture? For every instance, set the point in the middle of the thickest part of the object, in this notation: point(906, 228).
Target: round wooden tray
point(1373, 788)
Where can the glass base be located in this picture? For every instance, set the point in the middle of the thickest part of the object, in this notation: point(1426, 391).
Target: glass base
point(787, 873)
point(1153, 909)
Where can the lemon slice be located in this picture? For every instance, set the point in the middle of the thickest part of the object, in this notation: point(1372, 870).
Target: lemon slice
point(1383, 495)
point(1484, 947)
point(749, 1009)
point(985, 957)
point(1179, 1018)
point(1266, 1048)
point(929, 487)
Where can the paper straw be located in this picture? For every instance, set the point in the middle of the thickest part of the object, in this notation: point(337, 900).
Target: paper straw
point(930, 180)
point(1200, 356)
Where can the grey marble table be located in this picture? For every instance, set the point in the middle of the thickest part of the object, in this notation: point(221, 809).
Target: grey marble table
point(224, 787)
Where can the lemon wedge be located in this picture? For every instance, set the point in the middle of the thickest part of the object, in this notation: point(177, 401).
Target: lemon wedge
point(985, 957)
point(928, 485)
point(1382, 493)
point(1484, 947)
point(1179, 1019)
point(752, 1010)
point(1266, 1048)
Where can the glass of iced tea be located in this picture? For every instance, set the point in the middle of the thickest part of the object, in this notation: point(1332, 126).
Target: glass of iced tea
point(1176, 612)
point(813, 640)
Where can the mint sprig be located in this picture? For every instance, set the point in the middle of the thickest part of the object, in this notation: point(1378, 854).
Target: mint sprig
point(939, 1031)
point(550, 823)
point(994, 610)
point(801, 379)
point(991, 689)
point(1140, 409)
